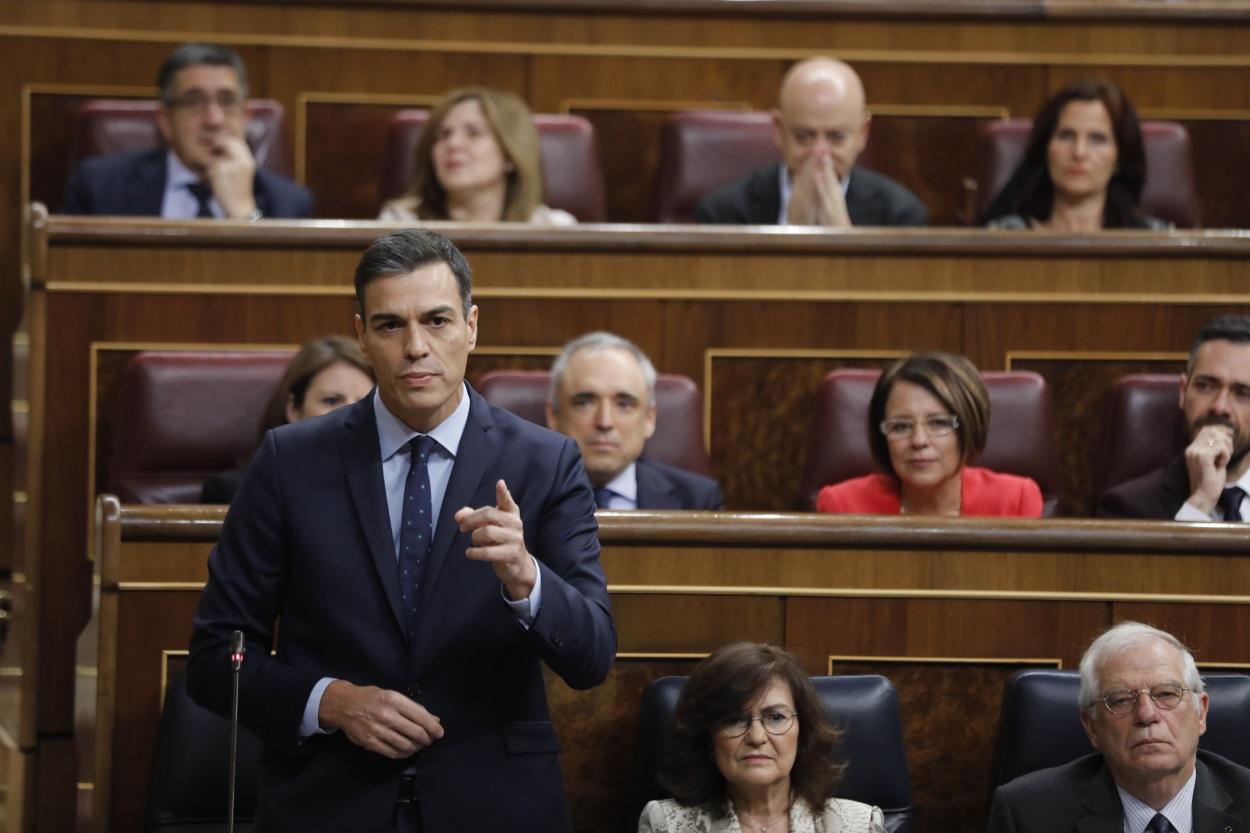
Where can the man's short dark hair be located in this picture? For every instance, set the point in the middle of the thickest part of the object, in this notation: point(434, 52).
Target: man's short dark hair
point(195, 55)
point(406, 251)
point(1234, 328)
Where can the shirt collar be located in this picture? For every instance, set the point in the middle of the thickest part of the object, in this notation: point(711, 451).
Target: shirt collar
point(1179, 811)
point(625, 484)
point(178, 175)
point(394, 434)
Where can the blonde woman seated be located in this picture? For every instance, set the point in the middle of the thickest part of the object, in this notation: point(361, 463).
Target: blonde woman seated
point(477, 161)
point(928, 416)
point(750, 750)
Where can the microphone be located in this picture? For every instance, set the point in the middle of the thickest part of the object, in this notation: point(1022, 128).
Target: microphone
point(238, 649)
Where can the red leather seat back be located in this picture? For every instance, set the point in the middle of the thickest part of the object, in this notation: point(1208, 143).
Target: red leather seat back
point(701, 150)
point(1021, 437)
point(1143, 428)
point(119, 125)
point(183, 415)
point(678, 438)
point(572, 176)
point(1169, 193)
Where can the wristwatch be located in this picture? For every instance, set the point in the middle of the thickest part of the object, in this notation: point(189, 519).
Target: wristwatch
point(254, 215)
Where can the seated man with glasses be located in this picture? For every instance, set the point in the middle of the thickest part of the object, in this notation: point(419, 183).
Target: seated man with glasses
point(928, 417)
point(207, 170)
point(1143, 707)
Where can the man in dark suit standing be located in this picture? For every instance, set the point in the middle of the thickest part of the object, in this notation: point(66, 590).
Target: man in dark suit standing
point(603, 395)
point(207, 170)
point(1143, 707)
point(821, 127)
point(1209, 482)
point(419, 554)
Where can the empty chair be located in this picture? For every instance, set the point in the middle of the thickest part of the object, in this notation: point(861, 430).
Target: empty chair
point(1143, 429)
point(1170, 192)
point(1021, 435)
point(678, 437)
point(865, 708)
point(183, 415)
point(189, 790)
point(572, 176)
point(1039, 725)
point(119, 125)
point(701, 150)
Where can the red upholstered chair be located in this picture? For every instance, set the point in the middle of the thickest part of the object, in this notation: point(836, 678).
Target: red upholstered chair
point(701, 150)
point(572, 177)
point(678, 438)
point(185, 415)
point(1142, 430)
point(1021, 438)
point(1169, 193)
point(118, 125)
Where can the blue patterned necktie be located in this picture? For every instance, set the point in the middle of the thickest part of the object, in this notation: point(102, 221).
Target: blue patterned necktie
point(202, 194)
point(1160, 824)
point(416, 528)
point(602, 496)
point(1230, 503)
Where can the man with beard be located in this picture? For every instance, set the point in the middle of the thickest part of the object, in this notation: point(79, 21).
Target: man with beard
point(1210, 480)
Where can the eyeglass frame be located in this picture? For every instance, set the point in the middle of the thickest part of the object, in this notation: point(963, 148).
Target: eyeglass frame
point(1136, 693)
point(883, 427)
point(195, 101)
point(723, 727)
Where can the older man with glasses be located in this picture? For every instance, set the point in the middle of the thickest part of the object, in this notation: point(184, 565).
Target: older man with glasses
point(1143, 707)
point(207, 169)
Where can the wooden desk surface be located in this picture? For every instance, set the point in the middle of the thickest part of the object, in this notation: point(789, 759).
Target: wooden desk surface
point(938, 605)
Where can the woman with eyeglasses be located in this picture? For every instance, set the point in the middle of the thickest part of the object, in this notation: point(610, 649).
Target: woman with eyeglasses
point(928, 416)
point(750, 750)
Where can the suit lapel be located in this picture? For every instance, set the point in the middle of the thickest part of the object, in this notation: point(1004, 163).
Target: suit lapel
point(147, 187)
point(358, 448)
point(654, 489)
point(764, 190)
point(477, 450)
point(1103, 803)
point(1210, 800)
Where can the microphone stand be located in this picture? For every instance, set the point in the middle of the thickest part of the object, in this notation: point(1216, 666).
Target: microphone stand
point(237, 649)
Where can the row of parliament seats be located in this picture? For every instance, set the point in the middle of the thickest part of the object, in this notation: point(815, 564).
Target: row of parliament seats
point(700, 150)
point(1038, 727)
point(184, 415)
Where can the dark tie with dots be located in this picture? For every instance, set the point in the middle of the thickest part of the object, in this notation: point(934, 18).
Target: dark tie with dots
point(1160, 824)
point(602, 496)
point(415, 528)
point(202, 194)
point(1230, 503)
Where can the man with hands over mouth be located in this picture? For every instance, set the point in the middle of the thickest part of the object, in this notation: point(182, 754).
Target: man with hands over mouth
point(419, 556)
point(1210, 480)
point(821, 127)
point(207, 169)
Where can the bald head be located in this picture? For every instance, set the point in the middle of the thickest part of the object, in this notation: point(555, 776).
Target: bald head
point(821, 111)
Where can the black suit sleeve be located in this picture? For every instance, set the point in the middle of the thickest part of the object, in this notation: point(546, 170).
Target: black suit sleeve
point(78, 199)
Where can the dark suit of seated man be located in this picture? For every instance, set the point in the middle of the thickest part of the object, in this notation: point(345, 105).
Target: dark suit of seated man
point(207, 170)
point(419, 555)
point(1209, 482)
point(821, 127)
point(603, 396)
point(1143, 707)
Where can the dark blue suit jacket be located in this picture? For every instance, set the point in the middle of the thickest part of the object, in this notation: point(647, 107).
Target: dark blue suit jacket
point(307, 542)
point(661, 486)
point(133, 185)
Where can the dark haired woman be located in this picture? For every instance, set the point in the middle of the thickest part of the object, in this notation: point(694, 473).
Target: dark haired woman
point(1083, 169)
point(751, 751)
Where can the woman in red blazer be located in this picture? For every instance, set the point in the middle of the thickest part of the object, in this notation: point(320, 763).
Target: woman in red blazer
point(930, 414)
